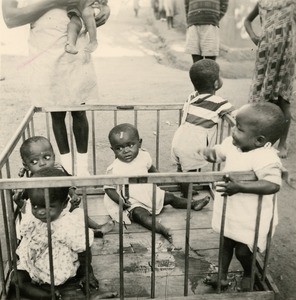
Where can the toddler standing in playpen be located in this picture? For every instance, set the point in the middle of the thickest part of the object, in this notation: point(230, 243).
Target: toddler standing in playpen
point(132, 160)
point(258, 127)
point(201, 114)
point(37, 153)
point(67, 238)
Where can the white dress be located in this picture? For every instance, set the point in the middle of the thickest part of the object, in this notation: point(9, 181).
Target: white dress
point(68, 239)
point(242, 208)
point(57, 77)
point(140, 195)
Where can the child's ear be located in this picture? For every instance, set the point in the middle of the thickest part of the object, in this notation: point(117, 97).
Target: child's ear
point(260, 141)
point(218, 84)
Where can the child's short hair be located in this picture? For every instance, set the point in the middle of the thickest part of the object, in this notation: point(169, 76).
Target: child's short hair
point(55, 193)
point(124, 127)
point(271, 121)
point(204, 73)
point(26, 144)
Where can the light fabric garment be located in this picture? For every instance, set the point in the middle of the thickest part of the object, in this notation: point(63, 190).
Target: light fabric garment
point(275, 58)
point(242, 208)
point(57, 77)
point(68, 239)
point(198, 129)
point(202, 40)
point(140, 195)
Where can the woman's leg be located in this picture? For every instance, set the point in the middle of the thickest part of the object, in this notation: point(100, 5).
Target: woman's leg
point(142, 216)
point(286, 109)
point(81, 132)
point(60, 131)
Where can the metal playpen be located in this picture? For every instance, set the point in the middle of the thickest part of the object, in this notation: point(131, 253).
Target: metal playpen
point(156, 124)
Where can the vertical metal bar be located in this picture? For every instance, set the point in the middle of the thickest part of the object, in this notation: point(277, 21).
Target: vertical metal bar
point(136, 118)
point(6, 225)
point(47, 125)
point(87, 249)
point(221, 242)
point(153, 240)
point(121, 289)
point(93, 142)
point(115, 117)
point(72, 148)
point(28, 130)
point(268, 242)
point(12, 238)
point(187, 238)
point(2, 278)
point(180, 117)
point(259, 208)
point(32, 127)
point(157, 138)
point(49, 238)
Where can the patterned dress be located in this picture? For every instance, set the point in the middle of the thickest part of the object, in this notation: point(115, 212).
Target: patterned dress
point(275, 59)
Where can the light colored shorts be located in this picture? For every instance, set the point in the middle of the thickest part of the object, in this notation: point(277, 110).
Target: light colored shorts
point(202, 40)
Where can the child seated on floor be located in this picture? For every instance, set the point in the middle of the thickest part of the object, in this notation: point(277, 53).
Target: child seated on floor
point(131, 160)
point(201, 113)
point(37, 153)
point(258, 127)
point(67, 238)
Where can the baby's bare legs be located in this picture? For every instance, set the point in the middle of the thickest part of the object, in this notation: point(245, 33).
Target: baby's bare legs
point(74, 27)
point(90, 24)
point(179, 202)
point(142, 216)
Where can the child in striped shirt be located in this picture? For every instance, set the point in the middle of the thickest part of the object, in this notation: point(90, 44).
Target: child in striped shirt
point(201, 113)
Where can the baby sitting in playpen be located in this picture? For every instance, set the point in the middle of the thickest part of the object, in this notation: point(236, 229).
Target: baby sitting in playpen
point(132, 160)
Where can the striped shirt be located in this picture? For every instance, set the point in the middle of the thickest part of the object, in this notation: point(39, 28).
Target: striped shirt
point(205, 110)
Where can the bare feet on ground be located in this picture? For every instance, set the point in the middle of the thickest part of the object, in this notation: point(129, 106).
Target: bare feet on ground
point(107, 227)
point(200, 203)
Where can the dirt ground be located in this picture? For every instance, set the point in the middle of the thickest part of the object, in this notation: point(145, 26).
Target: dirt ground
point(14, 92)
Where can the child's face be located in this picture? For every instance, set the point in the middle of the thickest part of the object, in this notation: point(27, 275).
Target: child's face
point(39, 207)
point(125, 146)
point(39, 156)
point(245, 134)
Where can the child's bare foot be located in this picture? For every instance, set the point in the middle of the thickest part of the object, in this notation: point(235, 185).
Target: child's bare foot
point(70, 49)
point(105, 295)
point(168, 235)
point(200, 204)
point(212, 280)
point(107, 227)
point(283, 152)
point(91, 47)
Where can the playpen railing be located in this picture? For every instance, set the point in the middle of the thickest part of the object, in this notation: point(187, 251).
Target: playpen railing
point(8, 260)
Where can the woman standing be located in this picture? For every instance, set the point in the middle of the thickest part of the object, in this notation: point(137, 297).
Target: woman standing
point(275, 60)
point(56, 77)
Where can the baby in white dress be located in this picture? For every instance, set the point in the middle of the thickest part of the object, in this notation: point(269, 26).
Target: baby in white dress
point(131, 160)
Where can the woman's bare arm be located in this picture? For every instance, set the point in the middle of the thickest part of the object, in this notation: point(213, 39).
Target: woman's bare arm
point(14, 16)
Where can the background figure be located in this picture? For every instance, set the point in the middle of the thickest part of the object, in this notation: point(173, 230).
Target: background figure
point(136, 6)
point(56, 77)
point(169, 7)
point(203, 17)
point(275, 60)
